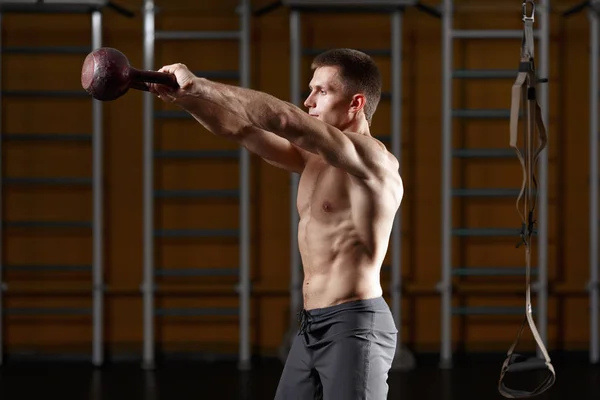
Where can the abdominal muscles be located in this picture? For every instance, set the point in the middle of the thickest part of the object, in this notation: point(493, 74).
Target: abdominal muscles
point(338, 266)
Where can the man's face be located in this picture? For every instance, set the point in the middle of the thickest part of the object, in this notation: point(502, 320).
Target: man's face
point(327, 100)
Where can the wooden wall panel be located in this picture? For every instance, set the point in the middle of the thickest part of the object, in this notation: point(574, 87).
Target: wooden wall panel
point(421, 168)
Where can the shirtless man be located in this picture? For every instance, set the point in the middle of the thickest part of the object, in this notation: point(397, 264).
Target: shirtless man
point(349, 193)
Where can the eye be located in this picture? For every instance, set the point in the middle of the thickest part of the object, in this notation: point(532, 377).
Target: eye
point(323, 92)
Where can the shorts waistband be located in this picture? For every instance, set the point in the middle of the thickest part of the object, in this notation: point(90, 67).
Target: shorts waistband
point(364, 304)
point(325, 314)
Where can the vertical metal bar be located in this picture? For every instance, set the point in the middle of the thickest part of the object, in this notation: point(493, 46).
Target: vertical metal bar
point(594, 87)
point(447, 60)
point(97, 264)
point(542, 285)
point(446, 261)
point(1, 216)
point(148, 106)
point(244, 292)
point(396, 139)
point(295, 73)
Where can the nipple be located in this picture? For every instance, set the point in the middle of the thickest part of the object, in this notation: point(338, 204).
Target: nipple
point(327, 206)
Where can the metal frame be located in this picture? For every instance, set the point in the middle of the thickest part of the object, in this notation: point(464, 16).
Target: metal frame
point(148, 287)
point(97, 311)
point(594, 284)
point(593, 9)
point(2, 284)
point(541, 285)
point(98, 206)
point(449, 34)
point(296, 50)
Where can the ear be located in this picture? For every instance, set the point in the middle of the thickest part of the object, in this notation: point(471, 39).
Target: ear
point(357, 103)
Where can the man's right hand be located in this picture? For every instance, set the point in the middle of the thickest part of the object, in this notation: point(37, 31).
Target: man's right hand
point(185, 79)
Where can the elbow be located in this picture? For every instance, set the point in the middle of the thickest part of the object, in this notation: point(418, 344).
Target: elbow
point(283, 120)
point(241, 132)
point(279, 122)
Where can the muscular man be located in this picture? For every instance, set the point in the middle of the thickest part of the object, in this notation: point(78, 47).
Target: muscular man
point(349, 193)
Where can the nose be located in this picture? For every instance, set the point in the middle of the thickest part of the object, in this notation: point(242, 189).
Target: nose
point(309, 102)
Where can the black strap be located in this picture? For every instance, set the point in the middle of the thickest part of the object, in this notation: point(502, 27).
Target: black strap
point(524, 92)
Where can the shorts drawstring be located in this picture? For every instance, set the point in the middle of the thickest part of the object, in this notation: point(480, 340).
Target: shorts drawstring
point(304, 319)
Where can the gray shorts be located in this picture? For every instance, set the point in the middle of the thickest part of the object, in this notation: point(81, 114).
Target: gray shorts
point(341, 352)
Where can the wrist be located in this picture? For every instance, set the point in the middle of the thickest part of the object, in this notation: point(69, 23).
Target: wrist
point(188, 92)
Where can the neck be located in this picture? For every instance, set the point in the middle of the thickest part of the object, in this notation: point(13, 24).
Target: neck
point(360, 126)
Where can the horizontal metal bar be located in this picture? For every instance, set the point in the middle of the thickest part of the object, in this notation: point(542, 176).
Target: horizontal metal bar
point(481, 113)
point(47, 311)
point(346, 3)
point(197, 194)
point(484, 153)
point(189, 272)
point(484, 73)
point(490, 34)
point(197, 35)
point(172, 114)
point(47, 224)
point(485, 192)
point(353, 6)
point(196, 154)
point(196, 233)
point(72, 137)
point(195, 312)
point(355, 9)
point(48, 268)
point(45, 93)
point(48, 181)
point(491, 271)
point(229, 75)
point(60, 8)
point(371, 52)
point(488, 310)
point(46, 50)
point(486, 232)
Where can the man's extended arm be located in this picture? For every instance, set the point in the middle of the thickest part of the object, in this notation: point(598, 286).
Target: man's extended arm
point(239, 109)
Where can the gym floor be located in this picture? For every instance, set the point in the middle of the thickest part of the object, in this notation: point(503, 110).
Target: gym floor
point(477, 379)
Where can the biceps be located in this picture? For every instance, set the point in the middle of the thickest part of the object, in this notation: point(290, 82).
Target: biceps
point(273, 149)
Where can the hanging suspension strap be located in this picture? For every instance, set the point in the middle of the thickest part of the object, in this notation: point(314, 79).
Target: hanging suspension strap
point(524, 93)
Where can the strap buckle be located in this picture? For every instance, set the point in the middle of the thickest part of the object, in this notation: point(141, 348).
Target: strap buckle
point(530, 16)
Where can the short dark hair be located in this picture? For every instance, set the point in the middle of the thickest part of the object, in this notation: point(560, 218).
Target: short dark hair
point(359, 74)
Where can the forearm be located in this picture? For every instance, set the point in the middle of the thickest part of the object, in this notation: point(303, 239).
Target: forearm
point(230, 108)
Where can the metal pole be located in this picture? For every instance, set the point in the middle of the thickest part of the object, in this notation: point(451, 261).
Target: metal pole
point(445, 287)
point(593, 288)
point(2, 287)
point(244, 291)
point(97, 265)
point(542, 284)
point(148, 285)
point(295, 265)
point(395, 287)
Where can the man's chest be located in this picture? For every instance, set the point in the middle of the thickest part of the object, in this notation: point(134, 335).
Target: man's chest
point(323, 190)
